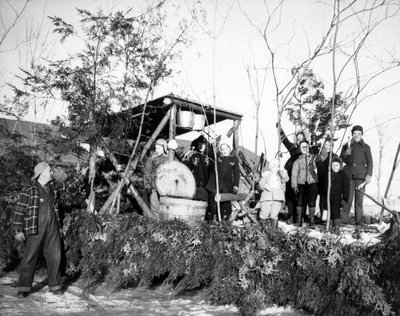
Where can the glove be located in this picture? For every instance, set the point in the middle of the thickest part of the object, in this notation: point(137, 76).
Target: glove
point(19, 236)
point(368, 179)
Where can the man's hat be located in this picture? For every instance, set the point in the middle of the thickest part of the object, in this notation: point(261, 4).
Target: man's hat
point(39, 168)
point(357, 128)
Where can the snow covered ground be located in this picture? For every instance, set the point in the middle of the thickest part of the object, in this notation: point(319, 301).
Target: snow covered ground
point(142, 301)
point(132, 302)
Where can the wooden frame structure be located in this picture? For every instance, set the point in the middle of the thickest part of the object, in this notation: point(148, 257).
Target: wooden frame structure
point(158, 113)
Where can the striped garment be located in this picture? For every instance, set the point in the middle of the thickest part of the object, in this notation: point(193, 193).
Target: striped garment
point(27, 209)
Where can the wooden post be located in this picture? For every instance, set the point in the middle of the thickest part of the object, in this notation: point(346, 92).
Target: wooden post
point(133, 165)
point(146, 210)
point(235, 132)
point(172, 131)
point(390, 181)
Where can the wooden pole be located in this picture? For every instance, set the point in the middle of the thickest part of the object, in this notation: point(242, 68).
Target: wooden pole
point(146, 210)
point(395, 163)
point(235, 132)
point(172, 131)
point(111, 199)
point(328, 193)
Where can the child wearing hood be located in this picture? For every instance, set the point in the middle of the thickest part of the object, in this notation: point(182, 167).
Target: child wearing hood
point(340, 190)
point(228, 179)
point(272, 198)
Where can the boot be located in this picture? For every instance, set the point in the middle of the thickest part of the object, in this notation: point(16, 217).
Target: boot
point(299, 215)
point(336, 226)
point(312, 212)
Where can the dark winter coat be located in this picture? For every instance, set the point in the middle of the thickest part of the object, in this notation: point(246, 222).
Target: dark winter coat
point(228, 175)
point(340, 186)
point(359, 163)
point(199, 165)
point(322, 171)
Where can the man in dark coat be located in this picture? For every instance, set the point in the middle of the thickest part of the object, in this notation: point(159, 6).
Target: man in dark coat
point(358, 159)
point(36, 221)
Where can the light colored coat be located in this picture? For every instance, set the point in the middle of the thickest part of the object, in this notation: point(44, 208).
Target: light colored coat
point(304, 168)
point(273, 193)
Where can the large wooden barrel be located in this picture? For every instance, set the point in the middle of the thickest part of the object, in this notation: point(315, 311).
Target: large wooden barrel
point(174, 179)
point(191, 211)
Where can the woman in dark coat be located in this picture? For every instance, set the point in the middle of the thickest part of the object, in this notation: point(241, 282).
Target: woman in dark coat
point(228, 180)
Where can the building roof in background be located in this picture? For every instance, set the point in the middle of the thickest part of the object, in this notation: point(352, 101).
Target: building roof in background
point(28, 134)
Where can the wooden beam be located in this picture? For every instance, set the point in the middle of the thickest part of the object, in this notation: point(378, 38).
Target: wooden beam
point(172, 130)
point(133, 165)
point(235, 131)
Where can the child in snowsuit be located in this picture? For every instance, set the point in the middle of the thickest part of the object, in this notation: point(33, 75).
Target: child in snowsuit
point(273, 185)
point(340, 190)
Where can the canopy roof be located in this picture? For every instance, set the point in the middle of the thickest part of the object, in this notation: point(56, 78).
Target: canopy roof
point(156, 110)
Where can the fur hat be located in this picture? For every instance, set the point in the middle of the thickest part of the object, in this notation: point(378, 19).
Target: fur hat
point(163, 143)
point(357, 128)
point(39, 168)
point(224, 141)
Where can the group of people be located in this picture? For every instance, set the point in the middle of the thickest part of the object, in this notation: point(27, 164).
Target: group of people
point(308, 170)
point(200, 160)
point(297, 185)
point(304, 176)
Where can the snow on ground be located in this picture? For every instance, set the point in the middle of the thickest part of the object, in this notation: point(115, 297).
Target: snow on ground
point(137, 302)
point(367, 235)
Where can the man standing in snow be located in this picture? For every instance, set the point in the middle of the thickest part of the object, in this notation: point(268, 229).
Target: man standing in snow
point(358, 159)
point(36, 221)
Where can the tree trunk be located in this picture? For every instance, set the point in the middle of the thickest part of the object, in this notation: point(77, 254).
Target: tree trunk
point(92, 173)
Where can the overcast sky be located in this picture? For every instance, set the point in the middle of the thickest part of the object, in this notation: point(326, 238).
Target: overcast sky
point(238, 46)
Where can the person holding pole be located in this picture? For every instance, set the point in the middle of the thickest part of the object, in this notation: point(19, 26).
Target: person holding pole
point(356, 154)
point(228, 179)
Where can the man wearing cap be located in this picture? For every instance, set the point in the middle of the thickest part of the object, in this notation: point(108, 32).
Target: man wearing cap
point(356, 154)
point(36, 221)
point(159, 156)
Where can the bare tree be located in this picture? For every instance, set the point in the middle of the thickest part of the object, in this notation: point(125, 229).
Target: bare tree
point(5, 27)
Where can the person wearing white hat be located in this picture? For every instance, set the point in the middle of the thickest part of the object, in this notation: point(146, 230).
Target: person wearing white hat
point(273, 186)
point(228, 180)
point(37, 223)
